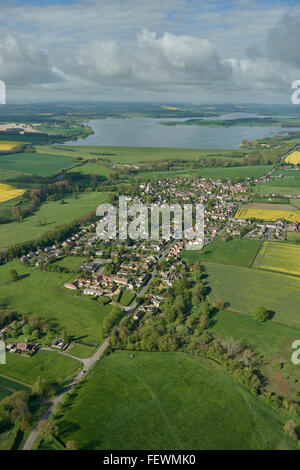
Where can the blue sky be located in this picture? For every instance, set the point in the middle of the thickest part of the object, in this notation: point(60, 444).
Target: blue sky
point(176, 50)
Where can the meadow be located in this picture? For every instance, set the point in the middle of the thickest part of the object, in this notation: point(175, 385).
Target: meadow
point(8, 192)
point(45, 364)
point(41, 293)
point(268, 212)
point(285, 185)
point(245, 289)
point(93, 169)
point(293, 158)
point(237, 251)
point(132, 154)
point(7, 387)
point(280, 257)
point(34, 163)
point(48, 216)
point(213, 172)
point(271, 340)
point(167, 401)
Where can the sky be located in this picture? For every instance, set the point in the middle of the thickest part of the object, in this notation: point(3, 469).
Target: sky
point(171, 51)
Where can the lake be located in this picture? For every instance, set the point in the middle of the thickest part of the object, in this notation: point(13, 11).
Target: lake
point(147, 132)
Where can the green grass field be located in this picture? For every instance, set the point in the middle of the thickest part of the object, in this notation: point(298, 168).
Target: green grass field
point(45, 364)
point(285, 185)
point(240, 252)
point(38, 293)
point(242, 171)
point(132, 154)
point(55, 214)
point(293, 236)
point(34, 163)
point(167, 401)
point(269, 339)
point(7, 387)
point(282, 257)
point(93, 169)
point(245, 289)
point(127, 297)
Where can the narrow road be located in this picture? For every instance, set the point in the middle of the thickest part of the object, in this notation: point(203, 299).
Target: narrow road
point(278, 164)
point(88, 363)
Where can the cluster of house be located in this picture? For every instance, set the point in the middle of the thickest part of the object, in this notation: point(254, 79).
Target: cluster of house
point(152, 302)
point(21, 348)
point(273, 230)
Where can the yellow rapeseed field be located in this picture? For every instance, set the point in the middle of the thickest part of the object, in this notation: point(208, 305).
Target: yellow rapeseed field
point(9, 192)
point(293, 158)
point(268, 212)
point(8, 145)
point(281, 257)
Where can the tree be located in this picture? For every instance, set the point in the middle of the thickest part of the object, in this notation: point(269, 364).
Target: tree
point(260, 314)
point(13, 275)
point(48, 430)
point(290, 429)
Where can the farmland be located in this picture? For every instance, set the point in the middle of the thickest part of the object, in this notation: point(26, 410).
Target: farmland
point(48, 216)
point(269, 212)
point(180, 394)
point(8, 192)
point(293, 158)
point(286, 185)
point(132, 154)
point(231, 172)
point(280, 257)
point(237, 251)
point(81, 317)
point(245, 289)
point(34, 164)
point(6, 145)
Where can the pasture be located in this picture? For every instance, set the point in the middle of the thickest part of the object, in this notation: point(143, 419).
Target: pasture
point(268, 212)
point(49, 215)
point(8, 192)
point(167, 401)
point(245, 289)
point(45, 364)
point(286, 185)
point(212, 172)
point(93, 169)
point(7, 387)
point(239, 252)
point(41, 293)
point(271, 340)
point(34, 163)
point(280, 257)
point(132, 155)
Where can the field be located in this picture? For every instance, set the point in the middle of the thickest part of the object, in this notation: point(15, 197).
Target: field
point(7, 387)
point(245, 289)
point(268, 212)
point(93, 169)
point(293, 158)
point(6, 145)
point(8, 192)
point(214, 172)
point(286, 185)
point(39, 293)
point(48, 216)
point(271, 340)
point(34, 163)
point(280, 257)
point(132, 154)
point(45, 364)
point(237, 251)
point(167, 401)
point(127, 297)
point(293, 236)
